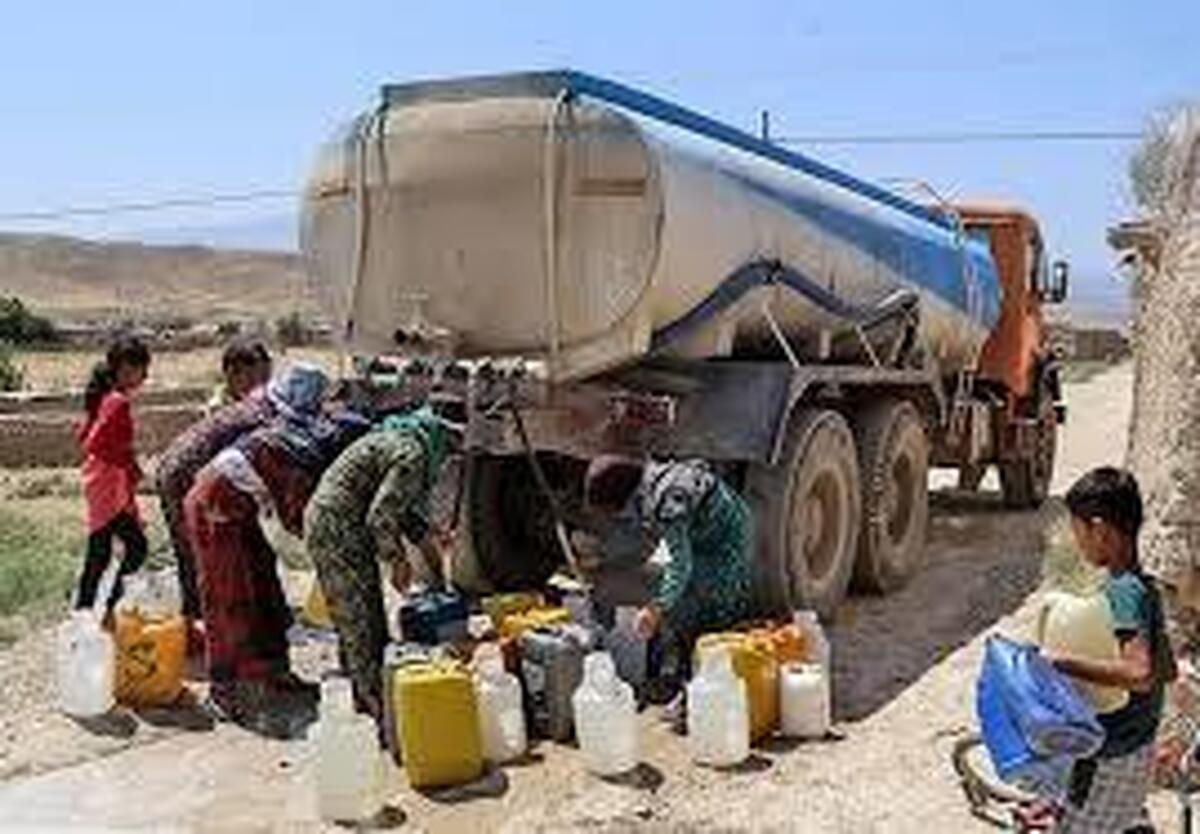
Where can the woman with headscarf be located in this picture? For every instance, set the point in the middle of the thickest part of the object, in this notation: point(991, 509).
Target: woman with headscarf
point(187, 454)
point(271, 471)
point(707, 529)
point(375, 495)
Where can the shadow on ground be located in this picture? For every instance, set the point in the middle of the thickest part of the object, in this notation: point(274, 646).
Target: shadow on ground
point(982, 562)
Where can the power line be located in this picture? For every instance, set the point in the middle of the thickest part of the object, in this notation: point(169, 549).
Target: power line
point(140, 206)
point(964, 138)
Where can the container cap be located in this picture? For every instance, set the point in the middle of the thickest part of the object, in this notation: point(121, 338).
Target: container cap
point(805, 617)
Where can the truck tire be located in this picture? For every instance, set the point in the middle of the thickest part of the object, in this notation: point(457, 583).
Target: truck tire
point(1025, 484)
point(893, 458)
point(510, 526)
point(807, 513)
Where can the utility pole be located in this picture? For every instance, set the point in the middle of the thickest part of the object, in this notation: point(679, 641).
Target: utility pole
point(765, 125)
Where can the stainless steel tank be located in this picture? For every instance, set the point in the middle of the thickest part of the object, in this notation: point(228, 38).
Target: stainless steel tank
point(570, 220)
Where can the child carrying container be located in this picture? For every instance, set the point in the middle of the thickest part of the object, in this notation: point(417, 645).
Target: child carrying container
point(1108, 791)
point(110, 471)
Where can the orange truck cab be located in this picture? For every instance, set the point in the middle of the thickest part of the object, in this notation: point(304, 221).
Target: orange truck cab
point(1017, 370)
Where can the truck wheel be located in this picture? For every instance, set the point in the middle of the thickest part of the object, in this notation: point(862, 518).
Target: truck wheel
point(807, 511)
point(1026, 483)
point(893, 456)
point(511, 529)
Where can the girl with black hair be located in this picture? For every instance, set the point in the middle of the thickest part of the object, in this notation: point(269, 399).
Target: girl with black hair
point(110, 471)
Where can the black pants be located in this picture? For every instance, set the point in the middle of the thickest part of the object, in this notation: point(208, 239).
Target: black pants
point(99, 553)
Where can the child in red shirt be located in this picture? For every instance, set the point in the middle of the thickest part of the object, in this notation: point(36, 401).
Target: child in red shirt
point(110, 470)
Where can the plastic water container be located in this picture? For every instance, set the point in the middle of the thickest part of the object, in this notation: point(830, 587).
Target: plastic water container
point(395, 657)
point(804, 701)
point(817, 646)
point(433, 617)
point(150, 639)
point(754, 662)
point(1083, 626)
point(438, 723)
point(512, 626)
point(85, 666)
point(551, 663)
point(349, 764)
point(627, 648)
point(500, 705)
point(605, 718)
point(718, 713)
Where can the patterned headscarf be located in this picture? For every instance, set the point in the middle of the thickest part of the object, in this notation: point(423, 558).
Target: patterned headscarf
point(431, 432)
point(298, 391)
point(308, 435)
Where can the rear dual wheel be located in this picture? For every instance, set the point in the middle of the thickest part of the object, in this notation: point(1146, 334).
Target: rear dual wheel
point(843, 503)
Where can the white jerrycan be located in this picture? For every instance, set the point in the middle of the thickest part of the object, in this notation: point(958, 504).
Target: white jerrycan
point(85, 665)
point(718, 715)
point(804, 708)
point(349, 763)
point(498, 699)
point(605, 718)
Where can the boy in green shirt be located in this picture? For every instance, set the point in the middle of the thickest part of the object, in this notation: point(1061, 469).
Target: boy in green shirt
point(1108, 792)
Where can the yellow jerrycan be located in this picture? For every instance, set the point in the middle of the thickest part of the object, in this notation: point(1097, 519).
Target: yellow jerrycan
point(437, 724)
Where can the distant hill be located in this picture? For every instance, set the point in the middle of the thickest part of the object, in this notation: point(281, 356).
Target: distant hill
point(70, 279)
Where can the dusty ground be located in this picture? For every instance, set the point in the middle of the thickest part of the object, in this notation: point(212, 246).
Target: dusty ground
point(904, 669)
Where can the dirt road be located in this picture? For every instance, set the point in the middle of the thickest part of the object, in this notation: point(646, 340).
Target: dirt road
point(904, 669)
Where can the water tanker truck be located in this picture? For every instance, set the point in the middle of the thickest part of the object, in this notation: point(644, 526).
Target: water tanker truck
point(592, 269)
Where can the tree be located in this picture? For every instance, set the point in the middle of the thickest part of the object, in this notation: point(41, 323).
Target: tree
point(1164, 439)
point(12, 375)
point(21, 327)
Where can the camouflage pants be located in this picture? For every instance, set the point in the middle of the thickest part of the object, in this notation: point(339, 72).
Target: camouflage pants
point(344, 554)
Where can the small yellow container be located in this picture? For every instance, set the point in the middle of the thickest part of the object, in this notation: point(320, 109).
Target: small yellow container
point(150, 654)
point(437, 725)
point(514, 625)
point(501, 606)
point(755, 662)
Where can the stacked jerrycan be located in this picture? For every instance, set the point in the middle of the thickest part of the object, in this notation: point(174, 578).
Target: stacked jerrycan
point(605, 718)
point(349, 765)
point(151, 643)
point(804, 690)
point(434, 617)
point(85, 665)
point(718, 714)
point(551, 662)
point(500, 705)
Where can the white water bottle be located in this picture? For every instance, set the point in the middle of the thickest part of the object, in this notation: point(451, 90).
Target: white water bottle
point(498, 700)
point(718, 714)
point(86, 665)
point(605, 718)
point(349, 764)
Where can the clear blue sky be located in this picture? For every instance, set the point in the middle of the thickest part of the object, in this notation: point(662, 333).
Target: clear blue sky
point(105, 101)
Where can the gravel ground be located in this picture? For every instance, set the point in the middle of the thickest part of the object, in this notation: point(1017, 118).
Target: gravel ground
point(904, 674)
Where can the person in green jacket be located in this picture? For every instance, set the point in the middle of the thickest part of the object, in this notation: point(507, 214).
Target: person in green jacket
point(373, 497)
point(708, 530)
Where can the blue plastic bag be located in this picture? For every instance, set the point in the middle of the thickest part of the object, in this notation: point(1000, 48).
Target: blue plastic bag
point(1033, 721)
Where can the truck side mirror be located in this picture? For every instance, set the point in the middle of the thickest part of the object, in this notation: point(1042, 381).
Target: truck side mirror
point(1056, 292)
